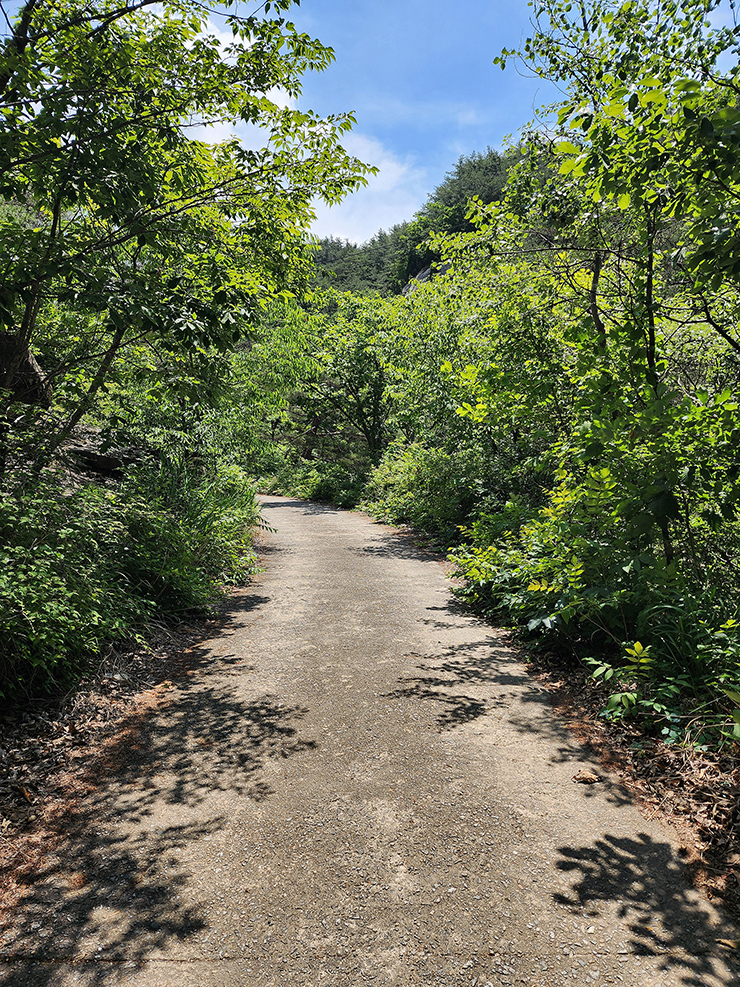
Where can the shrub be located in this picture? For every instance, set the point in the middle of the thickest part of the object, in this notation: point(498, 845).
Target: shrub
point(430, 489)
point(576, 578)
point(83, 568)
point(330, 483)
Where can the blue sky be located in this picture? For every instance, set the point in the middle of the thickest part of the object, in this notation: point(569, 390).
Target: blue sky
point(419, 75)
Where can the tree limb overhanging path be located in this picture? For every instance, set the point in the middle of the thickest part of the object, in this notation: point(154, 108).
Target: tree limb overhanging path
point(356, 783)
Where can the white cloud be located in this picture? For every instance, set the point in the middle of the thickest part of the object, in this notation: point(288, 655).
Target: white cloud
point(421, 114)
point(280, 98)
point(468, 117)
point(250, 136)
point(391, 196)
point(212, 133)
point(226, 40)
point(223, 35)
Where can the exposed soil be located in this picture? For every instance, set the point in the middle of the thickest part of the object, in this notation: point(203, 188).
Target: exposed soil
point(45, 741)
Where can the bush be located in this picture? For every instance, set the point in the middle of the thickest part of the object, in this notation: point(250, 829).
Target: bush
point(576, 579)
point(430, 489)
point(84, 568)
point(192, 532)
point(329, 483)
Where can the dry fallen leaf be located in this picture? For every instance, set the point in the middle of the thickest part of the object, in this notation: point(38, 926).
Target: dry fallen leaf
point(584, 777)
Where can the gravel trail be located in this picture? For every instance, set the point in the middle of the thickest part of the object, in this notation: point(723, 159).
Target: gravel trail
point(357, 783)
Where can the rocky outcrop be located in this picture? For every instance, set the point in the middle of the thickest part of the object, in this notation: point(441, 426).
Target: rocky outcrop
point(86, 451)
point(426, 274)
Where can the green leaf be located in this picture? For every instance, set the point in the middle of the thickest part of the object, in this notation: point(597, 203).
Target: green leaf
point(664, 506)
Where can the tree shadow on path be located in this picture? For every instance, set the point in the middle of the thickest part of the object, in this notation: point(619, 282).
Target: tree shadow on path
point(660, 915)
point(307, 507)
point(659, 912)
point(107, 876)
point(474, 665)
point(472, 680)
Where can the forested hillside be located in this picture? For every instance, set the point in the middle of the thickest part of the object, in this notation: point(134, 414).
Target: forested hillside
point(558, 403)
point(387, 261)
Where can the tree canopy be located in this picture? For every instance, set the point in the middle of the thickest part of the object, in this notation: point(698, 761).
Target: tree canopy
point(390, 258)
point(559, 403)
point(118, 204)
point(157, 190)
point(562, 404)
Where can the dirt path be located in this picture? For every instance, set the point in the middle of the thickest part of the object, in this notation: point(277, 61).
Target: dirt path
point(356, 784)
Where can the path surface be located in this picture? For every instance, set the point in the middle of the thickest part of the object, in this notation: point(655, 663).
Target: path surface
point(357, 783)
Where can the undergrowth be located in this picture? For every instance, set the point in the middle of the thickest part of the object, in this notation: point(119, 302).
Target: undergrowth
point(83, 567)
point(664, 647)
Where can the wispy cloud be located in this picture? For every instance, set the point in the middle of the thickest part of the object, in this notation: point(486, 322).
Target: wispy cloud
point(249, 135)
point(389, 109)
point(391, 196)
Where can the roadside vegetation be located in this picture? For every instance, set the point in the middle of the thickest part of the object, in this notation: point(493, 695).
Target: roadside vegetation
point(135, 256)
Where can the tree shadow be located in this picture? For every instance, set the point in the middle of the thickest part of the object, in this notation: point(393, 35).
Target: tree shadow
point(473, 679)
point(306, 507)
point(98, 896)
point(456, 709)
point(392, 546)
point(209, 742)
point(662, 916)
point(390, 543)
point(477, 664)
point(107, 878)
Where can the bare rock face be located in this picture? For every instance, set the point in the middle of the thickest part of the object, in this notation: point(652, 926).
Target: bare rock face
point(27, 382)
point(426, 274)
point(421, 278)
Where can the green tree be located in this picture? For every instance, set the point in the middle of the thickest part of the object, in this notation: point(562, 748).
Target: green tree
point(323, 361)
point(651, 161)
point(387, 261)
point(137, 222)
point(480, 176)
point(639, 535)
point(652, 112)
